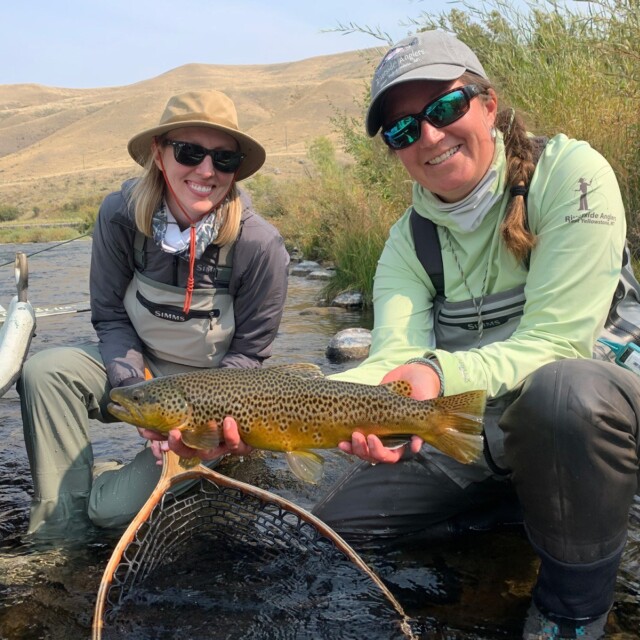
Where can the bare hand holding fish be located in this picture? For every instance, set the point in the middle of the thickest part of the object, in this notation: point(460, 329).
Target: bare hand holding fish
point(425, 385)
point(295, 409)
point(231, 443)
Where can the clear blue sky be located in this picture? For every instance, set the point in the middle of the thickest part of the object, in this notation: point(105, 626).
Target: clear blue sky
point(98, 43)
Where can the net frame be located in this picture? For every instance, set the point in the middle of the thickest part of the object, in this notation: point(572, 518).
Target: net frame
point(155, 533)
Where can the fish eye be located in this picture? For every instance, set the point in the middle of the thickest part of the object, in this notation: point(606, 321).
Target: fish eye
point(136, 395)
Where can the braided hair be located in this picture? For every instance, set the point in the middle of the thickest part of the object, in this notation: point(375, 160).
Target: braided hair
point(519, 151)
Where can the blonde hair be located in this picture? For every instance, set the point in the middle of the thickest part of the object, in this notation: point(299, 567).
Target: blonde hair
point(519, 152)
point(148, 192)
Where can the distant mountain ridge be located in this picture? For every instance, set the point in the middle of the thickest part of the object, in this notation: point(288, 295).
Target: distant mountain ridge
point(58, 143)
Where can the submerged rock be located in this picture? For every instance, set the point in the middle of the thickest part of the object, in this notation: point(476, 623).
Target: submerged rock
point(349, 300)
point(321, 274)
point(349, 344)
point(304, 268)
point(323, 311)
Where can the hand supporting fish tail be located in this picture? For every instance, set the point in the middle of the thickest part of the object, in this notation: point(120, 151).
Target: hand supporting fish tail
point(425, 385)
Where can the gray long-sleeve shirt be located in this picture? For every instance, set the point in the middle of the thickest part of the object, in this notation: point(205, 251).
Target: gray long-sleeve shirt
point(258, 285)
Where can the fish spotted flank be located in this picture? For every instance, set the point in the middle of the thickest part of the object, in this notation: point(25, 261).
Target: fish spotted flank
point(294, 409)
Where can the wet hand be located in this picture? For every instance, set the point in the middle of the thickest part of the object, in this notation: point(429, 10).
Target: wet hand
point(425, 385)
point(231, 443)
point(155, 442)
point(424, 381)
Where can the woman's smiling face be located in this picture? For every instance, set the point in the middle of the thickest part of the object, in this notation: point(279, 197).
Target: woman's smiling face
point(197, 188)
point(452, 160)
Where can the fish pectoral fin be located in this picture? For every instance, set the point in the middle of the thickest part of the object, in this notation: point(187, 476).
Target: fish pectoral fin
point(306, 465)
point(203, 436)
point(300, 369)
point(401, 387)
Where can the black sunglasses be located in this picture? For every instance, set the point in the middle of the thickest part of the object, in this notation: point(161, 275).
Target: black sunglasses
point(191, 155)
point(441, 112)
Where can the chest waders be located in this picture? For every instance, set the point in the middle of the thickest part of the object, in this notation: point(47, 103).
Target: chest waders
point(174, 340)
point(457, 328)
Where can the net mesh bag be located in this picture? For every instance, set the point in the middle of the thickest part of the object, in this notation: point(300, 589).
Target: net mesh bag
point(227, 559)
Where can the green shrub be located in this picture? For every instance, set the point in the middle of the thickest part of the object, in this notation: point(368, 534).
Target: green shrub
point(9, 213)
point(263, 189)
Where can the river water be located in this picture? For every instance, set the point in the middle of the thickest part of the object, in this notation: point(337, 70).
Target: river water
point(474, 587)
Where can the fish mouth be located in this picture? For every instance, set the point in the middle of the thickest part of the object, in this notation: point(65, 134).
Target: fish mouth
point(123, 408)
point(125, 413)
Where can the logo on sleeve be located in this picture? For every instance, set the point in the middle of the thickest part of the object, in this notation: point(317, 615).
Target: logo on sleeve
point(583, 188)
point(585, 214)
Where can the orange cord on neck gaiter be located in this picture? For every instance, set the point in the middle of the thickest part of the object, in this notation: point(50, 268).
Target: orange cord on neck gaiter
point(192, 234)
point(192, 260)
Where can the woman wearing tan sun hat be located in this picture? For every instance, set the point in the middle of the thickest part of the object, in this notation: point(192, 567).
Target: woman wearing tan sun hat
point(184, 274)
point(210, 109)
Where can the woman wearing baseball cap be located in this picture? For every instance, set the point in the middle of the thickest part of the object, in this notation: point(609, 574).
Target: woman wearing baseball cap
point(184, 275)
point(500, 276)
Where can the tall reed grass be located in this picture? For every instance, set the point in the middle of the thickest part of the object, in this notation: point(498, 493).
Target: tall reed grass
point(569, 69)
point(574, 70)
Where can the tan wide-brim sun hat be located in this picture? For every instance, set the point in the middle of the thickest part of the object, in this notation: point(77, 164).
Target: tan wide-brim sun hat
point(211, 109)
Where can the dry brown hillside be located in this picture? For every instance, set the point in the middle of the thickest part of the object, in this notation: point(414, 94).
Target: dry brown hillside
point(59, 144)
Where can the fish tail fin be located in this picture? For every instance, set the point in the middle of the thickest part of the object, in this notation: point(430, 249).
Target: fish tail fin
point(460, 425)
point(464, 411)
point(463, 447)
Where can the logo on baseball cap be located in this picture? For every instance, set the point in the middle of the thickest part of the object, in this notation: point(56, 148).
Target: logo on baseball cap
point(429, 55)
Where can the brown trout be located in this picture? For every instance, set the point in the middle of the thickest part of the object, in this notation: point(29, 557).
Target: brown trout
point(294, 409)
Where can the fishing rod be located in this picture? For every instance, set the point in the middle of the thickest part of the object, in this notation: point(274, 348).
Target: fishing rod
point(55, 246)
point(57, 309)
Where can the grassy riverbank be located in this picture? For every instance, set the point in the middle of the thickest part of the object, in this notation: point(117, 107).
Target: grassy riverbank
point(571, 70)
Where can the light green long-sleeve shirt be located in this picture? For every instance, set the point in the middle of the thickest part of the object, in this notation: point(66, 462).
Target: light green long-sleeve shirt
point(575, 210)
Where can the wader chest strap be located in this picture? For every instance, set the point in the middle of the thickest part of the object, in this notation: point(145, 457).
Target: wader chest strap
point(428, 250)
point(174, 314)
point(222, 258)
point(139, 243)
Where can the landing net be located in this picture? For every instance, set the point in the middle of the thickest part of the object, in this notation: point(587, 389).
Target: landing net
point(225, 544)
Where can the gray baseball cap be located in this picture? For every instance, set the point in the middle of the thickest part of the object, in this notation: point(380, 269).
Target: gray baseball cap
point(429, 55)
